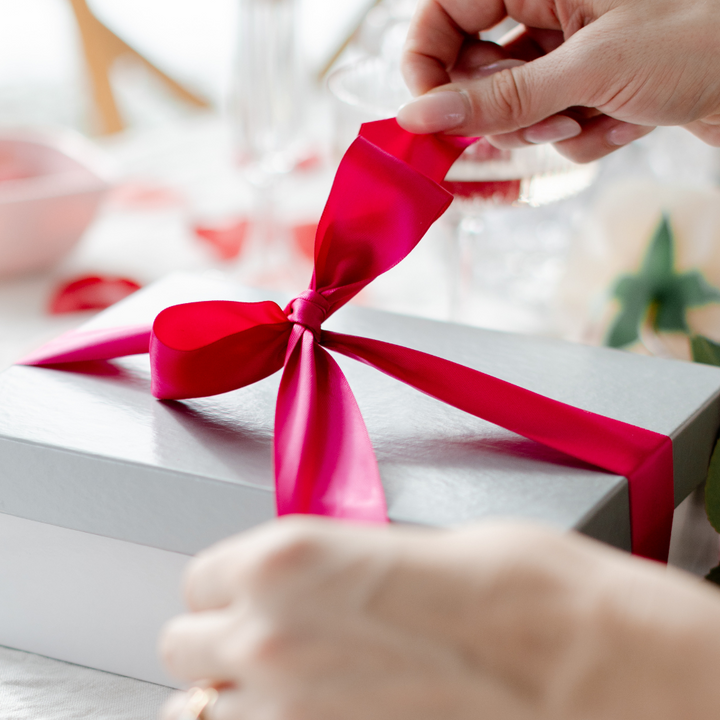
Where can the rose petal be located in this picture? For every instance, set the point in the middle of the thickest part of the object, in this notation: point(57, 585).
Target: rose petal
point(304, 236)
point(226, 240)
point(91, 292)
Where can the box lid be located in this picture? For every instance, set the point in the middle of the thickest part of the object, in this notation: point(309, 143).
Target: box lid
point(89, 448)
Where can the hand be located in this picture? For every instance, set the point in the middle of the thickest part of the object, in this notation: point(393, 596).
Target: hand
point(309, 619)
point(596, 74)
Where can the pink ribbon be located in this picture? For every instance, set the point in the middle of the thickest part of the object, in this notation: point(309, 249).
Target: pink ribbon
point(385, 196)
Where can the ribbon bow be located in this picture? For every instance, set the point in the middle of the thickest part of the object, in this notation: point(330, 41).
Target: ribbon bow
point(385, 196)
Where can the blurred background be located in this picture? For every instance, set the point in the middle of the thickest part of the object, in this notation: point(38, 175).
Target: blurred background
point(150, 136)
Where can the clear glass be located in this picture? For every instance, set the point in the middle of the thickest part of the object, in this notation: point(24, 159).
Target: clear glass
point(268, 85)
point(267, 113)
point(486, 286)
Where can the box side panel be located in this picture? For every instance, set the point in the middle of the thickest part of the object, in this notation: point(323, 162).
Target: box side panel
point(692, 446)
point(86, 599)
point(610, 519)
point(136, 503)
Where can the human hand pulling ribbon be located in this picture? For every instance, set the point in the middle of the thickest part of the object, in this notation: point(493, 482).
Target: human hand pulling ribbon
point(385, 197)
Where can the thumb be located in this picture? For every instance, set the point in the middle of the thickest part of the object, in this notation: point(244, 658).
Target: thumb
point(503, 97)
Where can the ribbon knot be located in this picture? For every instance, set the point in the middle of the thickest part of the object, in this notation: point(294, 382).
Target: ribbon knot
point(309, 309)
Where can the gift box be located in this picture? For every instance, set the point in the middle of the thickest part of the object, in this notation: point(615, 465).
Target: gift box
point(106, 491)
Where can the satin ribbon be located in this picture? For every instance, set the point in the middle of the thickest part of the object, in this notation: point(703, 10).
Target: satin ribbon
point(385, 196)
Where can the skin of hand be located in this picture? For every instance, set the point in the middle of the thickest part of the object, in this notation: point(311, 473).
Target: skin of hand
point(310, 619)
point(595, 74)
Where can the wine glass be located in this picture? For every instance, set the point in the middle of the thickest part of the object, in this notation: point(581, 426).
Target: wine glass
point(509, 235)
point(505, 254)
point(267, 112)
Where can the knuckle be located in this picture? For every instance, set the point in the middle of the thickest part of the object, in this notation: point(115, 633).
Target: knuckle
point(294, 545)
point(264, 643)
point(507, 98)
point(270, 646)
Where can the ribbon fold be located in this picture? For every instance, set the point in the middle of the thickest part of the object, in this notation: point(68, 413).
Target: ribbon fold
point(385, 196)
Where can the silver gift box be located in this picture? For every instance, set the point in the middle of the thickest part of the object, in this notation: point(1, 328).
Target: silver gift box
point(105, 491)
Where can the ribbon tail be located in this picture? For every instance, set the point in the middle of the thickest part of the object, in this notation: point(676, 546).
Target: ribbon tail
point(86, 345)
point(324, 461)
point(642, 456)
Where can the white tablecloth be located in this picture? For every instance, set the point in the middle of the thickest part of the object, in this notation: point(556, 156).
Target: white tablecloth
point(38, 688)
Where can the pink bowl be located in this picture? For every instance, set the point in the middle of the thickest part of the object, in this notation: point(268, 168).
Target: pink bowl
point(51, 183)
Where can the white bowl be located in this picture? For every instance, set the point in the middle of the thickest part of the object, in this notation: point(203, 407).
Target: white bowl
point(51, 183)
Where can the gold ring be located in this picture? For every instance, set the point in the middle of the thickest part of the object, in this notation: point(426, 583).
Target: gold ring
point(199, 699)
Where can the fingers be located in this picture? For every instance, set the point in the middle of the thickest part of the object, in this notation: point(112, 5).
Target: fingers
point(553, 129)
point(258, 561)
point(476, 56)
point(432, 46)
point(531, 43)
point(213, 578)
point(174, 706)
point(231, 704)
point(708, 130)
point(436, 36)
point(579, 139)
point(600, 137)
point(508, 100)
point(194, 647)
point(440, 27)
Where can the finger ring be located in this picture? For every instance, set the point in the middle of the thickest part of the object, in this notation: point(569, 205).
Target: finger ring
point(199, 700)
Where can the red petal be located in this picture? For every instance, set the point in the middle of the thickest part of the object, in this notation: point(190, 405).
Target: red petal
point(91, 292)
point(226, 240)
point(304, 236)
point(312, 161)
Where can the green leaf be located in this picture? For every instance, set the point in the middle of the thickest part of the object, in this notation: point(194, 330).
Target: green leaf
point(712, 489)
point(704, 350)
point(658, 287)
point(633, 291)
point(714, 575)
point(624, 331)
point(633, 294)
point(660, 260)
point(696, 290)
point(670, 314)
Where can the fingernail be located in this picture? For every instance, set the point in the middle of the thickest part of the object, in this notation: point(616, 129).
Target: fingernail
point(553, 129)
point(624, 134)
point(485, 70)
point(434, 112)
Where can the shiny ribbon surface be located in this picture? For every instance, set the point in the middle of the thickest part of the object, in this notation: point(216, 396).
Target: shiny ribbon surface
point(385, 196)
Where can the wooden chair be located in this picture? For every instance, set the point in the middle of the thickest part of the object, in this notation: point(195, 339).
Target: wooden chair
point(102, 48)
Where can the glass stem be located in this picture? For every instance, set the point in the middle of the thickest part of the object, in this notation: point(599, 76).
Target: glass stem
point(466, 233)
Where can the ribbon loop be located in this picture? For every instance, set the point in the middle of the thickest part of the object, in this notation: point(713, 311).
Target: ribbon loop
point(309, 309)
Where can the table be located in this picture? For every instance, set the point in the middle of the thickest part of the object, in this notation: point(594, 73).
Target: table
point(38, 688)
